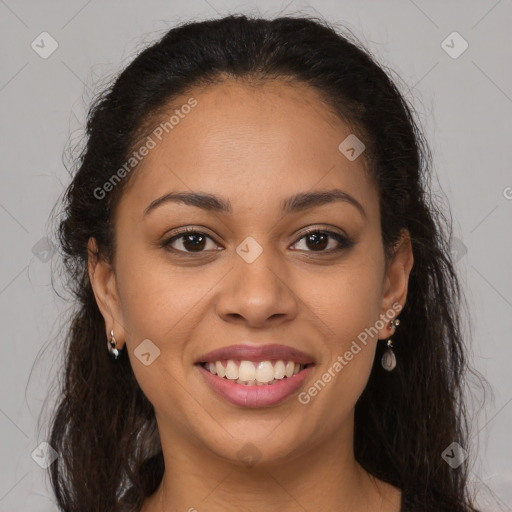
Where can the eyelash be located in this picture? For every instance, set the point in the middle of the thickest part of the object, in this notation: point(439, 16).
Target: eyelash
point(344, 242)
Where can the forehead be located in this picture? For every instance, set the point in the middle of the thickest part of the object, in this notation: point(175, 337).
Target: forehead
point(253, 142)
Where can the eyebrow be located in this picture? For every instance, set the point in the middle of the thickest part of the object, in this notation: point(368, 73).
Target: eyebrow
point(293, 204)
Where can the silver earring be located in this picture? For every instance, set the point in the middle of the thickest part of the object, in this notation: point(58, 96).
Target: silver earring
point(113, 351)
point(388, 360)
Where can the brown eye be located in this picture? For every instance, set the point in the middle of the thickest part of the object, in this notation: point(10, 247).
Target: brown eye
point(318, 241)
point(188, 241)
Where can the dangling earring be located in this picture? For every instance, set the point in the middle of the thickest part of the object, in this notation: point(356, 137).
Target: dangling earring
point(388, 360)
point(113, 351)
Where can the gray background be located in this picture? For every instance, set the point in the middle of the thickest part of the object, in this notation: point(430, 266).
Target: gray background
point(464, 105)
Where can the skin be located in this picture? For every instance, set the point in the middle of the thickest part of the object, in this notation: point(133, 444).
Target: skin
point(253, 145)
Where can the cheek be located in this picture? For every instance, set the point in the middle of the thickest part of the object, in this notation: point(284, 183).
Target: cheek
point(157, 299)
point(348, 305)
point(347, 301)
point(349, 310)
point(164, 306)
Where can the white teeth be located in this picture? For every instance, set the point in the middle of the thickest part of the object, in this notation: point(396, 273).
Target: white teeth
point(250, 373)
point(221, 371)
point(264, 372)
point(246, 371)
point(279, 370)
point(231, 370)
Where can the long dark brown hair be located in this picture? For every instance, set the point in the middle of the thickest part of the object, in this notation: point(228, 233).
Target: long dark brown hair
point(103, 426)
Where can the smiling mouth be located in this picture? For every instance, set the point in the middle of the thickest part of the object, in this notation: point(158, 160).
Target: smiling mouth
point(254, 373)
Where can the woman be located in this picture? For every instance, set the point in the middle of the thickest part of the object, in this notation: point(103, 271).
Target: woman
point(268, 312)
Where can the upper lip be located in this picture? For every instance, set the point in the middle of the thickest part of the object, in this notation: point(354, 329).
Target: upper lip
point(257, 353)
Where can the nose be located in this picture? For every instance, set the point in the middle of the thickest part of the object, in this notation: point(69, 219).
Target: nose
point(257, 294)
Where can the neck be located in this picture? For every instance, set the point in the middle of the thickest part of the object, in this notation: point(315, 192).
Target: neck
point(322, 477)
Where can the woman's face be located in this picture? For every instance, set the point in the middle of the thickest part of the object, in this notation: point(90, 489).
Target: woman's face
point(251, 275)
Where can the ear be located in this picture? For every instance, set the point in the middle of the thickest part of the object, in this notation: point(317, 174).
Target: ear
point(396, 281)
point(103, 282)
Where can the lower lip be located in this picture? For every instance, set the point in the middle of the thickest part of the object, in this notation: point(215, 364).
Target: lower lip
point(255, 396)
